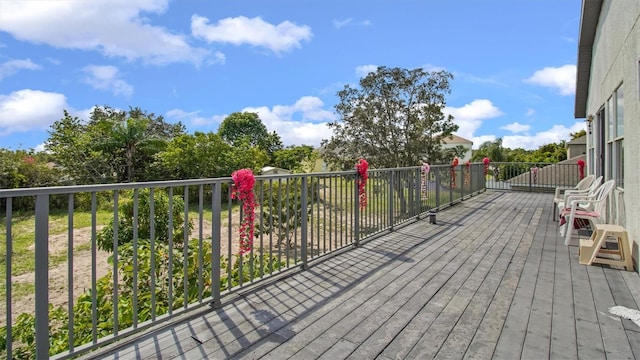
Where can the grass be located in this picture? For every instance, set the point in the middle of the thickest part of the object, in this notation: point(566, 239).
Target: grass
point(23, 238)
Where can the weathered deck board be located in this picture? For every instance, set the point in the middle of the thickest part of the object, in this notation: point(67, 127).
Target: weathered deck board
point(491, 280)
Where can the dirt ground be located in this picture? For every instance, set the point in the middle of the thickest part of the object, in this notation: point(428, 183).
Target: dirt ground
point(82, 268)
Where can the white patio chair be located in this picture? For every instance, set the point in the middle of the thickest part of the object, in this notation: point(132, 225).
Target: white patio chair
point(584, 187)
point(590, 207)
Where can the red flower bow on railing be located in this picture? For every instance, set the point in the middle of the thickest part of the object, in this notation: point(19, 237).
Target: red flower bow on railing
point(581, 168)
point(454, 163)
point(467, 174)
point(243, 183)
point(362, 166)
point(424, 179)
point(486, 161)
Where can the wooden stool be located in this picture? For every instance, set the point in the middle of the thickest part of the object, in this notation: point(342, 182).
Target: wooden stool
point(592, 247)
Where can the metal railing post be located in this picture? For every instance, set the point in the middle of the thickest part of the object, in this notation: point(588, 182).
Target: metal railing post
point(8, 297)
point(42, 276)
point(216, 226)
point(356, 211)
point(304, 218)
point(529, 179)
point(390, 199)
point(416, 190)
point(438, 184)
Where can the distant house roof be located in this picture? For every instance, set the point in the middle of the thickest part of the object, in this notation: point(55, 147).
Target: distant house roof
point(455, 139)
point(588, 24)
point(271, 170)
point(582, 140)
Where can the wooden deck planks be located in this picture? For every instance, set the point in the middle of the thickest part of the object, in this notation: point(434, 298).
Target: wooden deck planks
point(491, 280)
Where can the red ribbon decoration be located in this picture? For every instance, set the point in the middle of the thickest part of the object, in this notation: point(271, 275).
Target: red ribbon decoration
point(243, 183)
point(362, 166)
point(581, 168)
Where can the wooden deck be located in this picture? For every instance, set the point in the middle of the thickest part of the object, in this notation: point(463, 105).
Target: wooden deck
point(492, 279)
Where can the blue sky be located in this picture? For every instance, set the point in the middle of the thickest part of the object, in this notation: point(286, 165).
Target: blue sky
point(196, 61)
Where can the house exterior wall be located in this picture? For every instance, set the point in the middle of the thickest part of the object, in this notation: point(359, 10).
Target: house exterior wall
point(615, 61)
point(574, 150)
point(467, 155)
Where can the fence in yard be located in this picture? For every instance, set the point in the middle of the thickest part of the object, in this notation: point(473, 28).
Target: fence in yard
point(84, 266)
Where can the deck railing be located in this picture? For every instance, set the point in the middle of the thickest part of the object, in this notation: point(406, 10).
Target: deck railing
point(85, 266)
point(543, 177)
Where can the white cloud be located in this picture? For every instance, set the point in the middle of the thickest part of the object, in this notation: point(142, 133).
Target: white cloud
point(339, 24)
point(255, 31)
point(194, 118)
point(516, 127)
point(364, 70)
point(304, 122)
point(433, 68)
point(116, 28)
point(39, 147)
point(11, 67)
point(105, 77)
point(26, 110)
point(556, 134)
point(479, 140)
point(470, 116)
point(561, 78)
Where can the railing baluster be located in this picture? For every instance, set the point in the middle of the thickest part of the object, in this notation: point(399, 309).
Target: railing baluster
point(356, 211)
point(200, 241)
point(94, 275)
point(303, 223)
point(262, 226)
point(185, 250)
point(70, 300)
point(229, 242)
point(216, 225)
point(42, 276)
point(8, 266)
point(116, 193)
point(135, 258)
point(170, 265)
point(152, 245)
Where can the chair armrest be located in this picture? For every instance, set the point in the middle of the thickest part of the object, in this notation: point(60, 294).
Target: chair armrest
point(560, 190)
point(568, 197)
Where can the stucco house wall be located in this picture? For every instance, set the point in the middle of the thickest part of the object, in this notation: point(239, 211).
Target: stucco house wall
point(456, 140)
point(614, 60)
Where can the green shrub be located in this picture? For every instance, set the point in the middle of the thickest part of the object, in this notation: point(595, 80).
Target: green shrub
point(161, 219)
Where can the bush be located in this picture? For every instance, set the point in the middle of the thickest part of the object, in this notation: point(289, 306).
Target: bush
point(24, 327)
point(161, 218)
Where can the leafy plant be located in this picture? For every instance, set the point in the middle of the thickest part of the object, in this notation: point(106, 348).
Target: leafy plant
point(162, 215)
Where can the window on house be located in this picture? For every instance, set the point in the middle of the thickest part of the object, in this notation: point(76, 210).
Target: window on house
point(615, 137)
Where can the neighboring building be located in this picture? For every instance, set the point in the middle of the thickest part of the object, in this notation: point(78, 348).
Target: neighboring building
point(607, 74)
point(270, 170)
point(577, 147)
point(455, 140)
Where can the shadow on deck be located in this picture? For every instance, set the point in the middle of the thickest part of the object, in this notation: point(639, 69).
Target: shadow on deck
point(492, 279)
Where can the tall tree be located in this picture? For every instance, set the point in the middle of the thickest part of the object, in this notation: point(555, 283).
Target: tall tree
point(248, 127)
point(493, 150)
point(88, 150)
point(71, 145)
point(125, 140)
point(394, 118)
point(294, 157)
point(201, 155)
point(578, 134)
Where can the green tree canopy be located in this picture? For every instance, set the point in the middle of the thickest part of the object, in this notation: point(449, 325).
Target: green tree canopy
point(114, 145)
point(393, 118)
point(578, 134)
point(248, 127)
point(294, 157)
